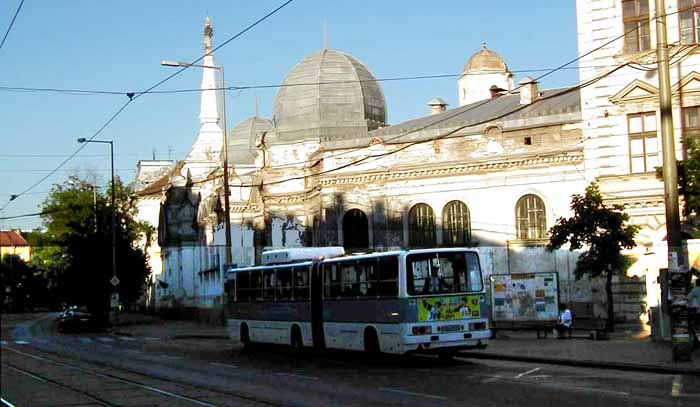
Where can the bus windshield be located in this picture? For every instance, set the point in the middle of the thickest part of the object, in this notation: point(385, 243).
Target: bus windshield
point(443, 273)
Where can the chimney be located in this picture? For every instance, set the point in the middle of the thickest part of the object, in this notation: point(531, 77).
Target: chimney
point(437, 105)
point(496, 91)
point(528, 91)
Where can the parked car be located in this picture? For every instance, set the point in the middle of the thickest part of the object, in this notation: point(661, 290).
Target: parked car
point(77, 319)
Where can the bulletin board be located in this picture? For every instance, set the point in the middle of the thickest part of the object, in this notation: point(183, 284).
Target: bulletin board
point(531, 297)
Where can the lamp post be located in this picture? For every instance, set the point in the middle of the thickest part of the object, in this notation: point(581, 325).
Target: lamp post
point(115, 280)
point(227, 221)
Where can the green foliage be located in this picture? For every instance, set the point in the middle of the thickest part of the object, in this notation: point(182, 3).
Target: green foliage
point(688, 177)
point(601, 229)
point(74, 253)
point(22, 287)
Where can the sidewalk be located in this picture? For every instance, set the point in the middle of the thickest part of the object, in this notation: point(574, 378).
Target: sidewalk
point(621, 351)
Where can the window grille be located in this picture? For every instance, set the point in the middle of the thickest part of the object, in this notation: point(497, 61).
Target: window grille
point(456, 229)
point(421, 226)
point(530, 216)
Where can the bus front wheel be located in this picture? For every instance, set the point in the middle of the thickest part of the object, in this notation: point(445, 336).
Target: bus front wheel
point(245, 335)
point(372, 341)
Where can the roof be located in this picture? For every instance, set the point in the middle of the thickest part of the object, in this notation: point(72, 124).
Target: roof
point(12, 238)
point(437, 102)
point(561, 105)
point(329, 95)
point(163, 182)
point(242, 138)
point(485, 60)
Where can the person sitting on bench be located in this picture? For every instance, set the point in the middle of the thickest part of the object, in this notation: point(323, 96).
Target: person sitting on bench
point(564, 322)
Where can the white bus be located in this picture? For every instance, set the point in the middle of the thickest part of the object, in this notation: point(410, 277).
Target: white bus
point(428, 300)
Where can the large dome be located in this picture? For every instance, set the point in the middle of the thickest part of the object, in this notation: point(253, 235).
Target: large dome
point(242, 139)
point(485, 60)
point(329, 96)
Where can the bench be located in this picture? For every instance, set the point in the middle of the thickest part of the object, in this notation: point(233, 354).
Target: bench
point(543, 328)
point(584, 320)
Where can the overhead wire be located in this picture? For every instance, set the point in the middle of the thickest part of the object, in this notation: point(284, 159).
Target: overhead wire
point(134, 97)
point(12, 23)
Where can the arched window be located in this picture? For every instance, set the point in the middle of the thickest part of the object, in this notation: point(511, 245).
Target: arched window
point(456, 226)
point(355, 230)
point(530, 218)
point(421, 226)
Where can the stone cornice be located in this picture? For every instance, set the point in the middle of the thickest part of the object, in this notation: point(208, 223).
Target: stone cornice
point(637, 202)
point(568, 157)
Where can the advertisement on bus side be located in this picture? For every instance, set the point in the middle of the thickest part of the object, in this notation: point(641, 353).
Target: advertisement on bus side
point(449, 308)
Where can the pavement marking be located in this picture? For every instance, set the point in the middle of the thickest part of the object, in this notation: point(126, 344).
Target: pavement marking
point(299, 376)
point(224, 365)
point(106, 339)
point(21, 343)
point(528, 372)
point(85, 340)
point(125, 338)
point(151, 339)
point(5, 402)
point(677, 386)
point(492, 379)
point(411, 393)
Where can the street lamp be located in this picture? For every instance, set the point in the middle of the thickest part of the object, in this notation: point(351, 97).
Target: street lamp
point(227, 221)
point(114, 280)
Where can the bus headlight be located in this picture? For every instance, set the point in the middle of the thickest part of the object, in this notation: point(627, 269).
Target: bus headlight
point(422, 330)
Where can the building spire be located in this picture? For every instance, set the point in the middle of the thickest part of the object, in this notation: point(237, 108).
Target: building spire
point(208, 33)
point(325, 32)
point(483, 44)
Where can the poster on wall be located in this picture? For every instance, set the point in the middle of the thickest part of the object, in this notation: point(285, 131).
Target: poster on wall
point(525, 297)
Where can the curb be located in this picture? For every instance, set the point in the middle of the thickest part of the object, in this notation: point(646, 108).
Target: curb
point(584, 363)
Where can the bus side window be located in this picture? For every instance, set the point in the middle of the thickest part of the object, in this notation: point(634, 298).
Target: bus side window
point(230, 289)
point(284, 283)
point(243, 286)
point(301, 283)
point(269, 283)
point(388, 276)
point(348, 279)
point(475, 283)
point(417, 274)
point(256, 285)
point(329, 273)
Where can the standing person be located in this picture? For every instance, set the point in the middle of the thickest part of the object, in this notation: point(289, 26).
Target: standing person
point(564, 322)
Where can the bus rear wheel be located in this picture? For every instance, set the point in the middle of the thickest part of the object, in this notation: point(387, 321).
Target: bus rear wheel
point(372, 342)
point(245, 335)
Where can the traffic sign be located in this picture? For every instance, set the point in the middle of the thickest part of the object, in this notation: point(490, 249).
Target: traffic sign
point(114, 281)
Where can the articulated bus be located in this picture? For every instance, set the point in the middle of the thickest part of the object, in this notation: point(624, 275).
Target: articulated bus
point(428, 300)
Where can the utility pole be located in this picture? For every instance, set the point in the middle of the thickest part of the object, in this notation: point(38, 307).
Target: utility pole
point(676, 257)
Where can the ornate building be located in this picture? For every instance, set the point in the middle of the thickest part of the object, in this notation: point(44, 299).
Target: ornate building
point(327, 169)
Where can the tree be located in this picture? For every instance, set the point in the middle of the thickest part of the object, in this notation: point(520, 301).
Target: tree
point(76, 252)
point(688, 182)
point(21, 287)
point(603, 231)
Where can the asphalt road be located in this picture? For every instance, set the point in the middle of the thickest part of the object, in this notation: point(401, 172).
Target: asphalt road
point(43, 368)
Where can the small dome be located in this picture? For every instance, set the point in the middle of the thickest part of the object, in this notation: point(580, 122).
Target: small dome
point(331, 96)
point(437, 102)
point(242, 139)
point(485, 60)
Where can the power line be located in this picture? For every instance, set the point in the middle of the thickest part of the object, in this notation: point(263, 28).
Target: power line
point(11, 24)
point(134, 97)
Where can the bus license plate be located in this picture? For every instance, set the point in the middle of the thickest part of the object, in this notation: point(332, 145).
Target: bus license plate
point(450, 328)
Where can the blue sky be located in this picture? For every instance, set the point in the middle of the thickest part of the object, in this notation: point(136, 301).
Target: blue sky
point(86, 44)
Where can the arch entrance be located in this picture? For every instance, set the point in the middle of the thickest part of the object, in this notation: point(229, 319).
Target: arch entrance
point(355, 231)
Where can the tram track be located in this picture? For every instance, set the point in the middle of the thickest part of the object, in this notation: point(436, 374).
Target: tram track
point(136, 384)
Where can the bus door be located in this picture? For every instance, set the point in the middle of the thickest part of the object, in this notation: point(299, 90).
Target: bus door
point(317, 306)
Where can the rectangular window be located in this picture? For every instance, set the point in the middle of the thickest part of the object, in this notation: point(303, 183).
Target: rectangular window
point(691, 122)
point(689, 19)
point(635, 18)
point(301, 283)
point(643, 142)
point(243, 286)
point(367, 277)
point(284, 284)
point(256, 285)
point(443, 273)
point(388, 276)
point(348, 279)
